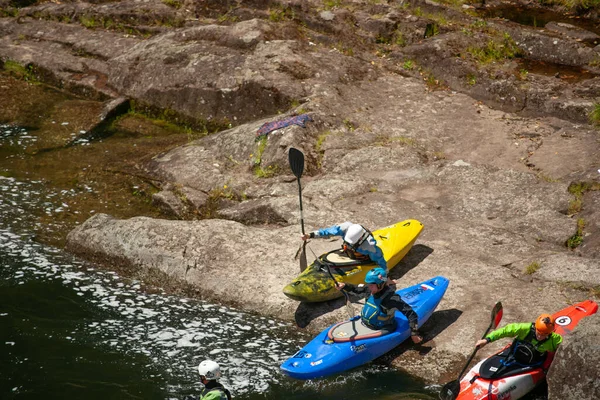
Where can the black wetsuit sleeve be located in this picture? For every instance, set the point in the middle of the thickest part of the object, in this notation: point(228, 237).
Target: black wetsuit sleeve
point(396, 302)
point(350, 288)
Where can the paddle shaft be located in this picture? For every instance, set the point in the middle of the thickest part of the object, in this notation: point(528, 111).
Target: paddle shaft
point(301, 212)
point(451, 390)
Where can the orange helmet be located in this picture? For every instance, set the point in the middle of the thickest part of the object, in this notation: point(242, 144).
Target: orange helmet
point(544, 324)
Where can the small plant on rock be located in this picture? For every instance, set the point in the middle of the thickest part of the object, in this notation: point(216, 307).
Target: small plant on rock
point(576, 240)
point(532, 268)
point(595, 115)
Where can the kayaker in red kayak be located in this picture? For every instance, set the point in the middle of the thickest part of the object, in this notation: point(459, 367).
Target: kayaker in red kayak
point(358, 241)
point(378, 311)
point(535, 343)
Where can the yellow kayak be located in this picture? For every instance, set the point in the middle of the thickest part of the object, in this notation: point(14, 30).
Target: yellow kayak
point(314, 284)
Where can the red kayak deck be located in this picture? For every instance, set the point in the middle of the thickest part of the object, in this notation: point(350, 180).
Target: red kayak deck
point(516, 386)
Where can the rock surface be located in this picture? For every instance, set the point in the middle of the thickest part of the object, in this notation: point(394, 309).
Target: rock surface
point(402, 126)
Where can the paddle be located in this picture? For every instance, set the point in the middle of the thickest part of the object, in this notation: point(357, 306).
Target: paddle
point(296, 159)
point(451, 389)
point(349, 308)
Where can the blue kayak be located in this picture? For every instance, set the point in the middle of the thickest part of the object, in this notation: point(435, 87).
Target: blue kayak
point(350, 344)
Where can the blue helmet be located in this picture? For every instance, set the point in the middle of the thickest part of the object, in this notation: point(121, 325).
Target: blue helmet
point(373, 276)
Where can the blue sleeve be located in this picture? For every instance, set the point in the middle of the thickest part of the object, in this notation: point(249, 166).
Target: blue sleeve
point(335, 230)
point(374, 252)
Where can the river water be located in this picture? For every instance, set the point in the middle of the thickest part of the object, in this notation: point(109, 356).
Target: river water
point(71, 330)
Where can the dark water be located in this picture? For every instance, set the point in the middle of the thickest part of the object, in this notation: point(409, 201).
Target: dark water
point(563, 72)
point(538, 17)
point(69, 330)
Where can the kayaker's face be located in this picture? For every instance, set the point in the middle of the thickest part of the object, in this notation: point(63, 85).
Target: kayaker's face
point(541, 336)
point(373, 288)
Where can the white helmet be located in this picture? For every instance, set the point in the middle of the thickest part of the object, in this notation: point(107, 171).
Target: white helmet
point(354, 234)
point(209, 369)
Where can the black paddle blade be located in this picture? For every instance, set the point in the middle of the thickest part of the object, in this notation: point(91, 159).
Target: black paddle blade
point(450, 390)
point(296, 158)
point(303, 262)
point(497, 314)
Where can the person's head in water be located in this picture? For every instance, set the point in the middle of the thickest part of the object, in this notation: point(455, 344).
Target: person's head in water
point(376, 279)
point(209, 371)
point(544, 326)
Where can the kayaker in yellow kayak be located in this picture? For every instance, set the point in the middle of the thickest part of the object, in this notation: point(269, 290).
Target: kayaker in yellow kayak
point(535, 342)
point(378, 311)
point(357, 239)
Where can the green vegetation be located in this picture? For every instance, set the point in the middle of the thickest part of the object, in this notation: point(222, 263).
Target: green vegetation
point(258, 170)
point(9, 12)
point(349, 125)
point(432, 29)
point(578, 189)
point(408, 65)
point(399, 39)
point(344, 49)
point(431, 81)
point(279, 14)
point(471, 79)
point(495, 51)
point(523, 74)
point(88, 21)
point(228, 16)
point(439, 155)
point(173, 3)
point(268, 172)
point(577, 237)
point(319, 146)
point(330, 4)
point(594, 115)
point(532, 268)
point(171, 119)
point(580, 6)
point(26, 73)
point(215, 196)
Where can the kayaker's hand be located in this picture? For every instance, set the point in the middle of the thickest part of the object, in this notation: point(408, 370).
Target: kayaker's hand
point(340, 285)
point(305, 237)
point(416, 339)
point(481, 343)
point(392, 282)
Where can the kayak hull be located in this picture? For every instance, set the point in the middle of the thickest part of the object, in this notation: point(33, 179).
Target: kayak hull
point(323, 356)
point(516, 386)
point(315, 285)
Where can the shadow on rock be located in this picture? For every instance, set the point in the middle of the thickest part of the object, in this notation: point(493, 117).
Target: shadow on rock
point(438, 321)
point(414, 257)
point(307, 312)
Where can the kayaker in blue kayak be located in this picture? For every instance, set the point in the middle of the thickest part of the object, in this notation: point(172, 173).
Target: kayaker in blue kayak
point(213, 390)
point(535, 342)
point(378, 311)
point(357, 239)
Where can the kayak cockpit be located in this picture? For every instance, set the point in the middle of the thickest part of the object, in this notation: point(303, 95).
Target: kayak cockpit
point(504, 364)
point(354, 330)
point(339, 259)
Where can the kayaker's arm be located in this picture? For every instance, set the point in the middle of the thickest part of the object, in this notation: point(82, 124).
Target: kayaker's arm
point(350, 288)
point(519, 330)
point(335, 230)
point(395, 302)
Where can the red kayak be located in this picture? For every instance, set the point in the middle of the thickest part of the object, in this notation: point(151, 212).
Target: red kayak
point(498, 378)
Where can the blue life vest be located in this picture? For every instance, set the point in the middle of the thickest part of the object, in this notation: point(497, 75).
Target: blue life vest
point(374, 315)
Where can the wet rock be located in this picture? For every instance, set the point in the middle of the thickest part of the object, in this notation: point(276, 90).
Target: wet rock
point(572, 31)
